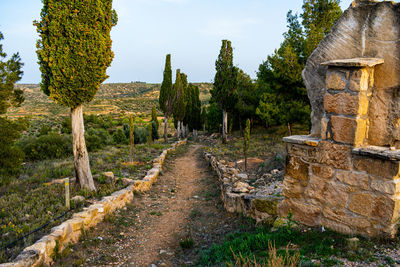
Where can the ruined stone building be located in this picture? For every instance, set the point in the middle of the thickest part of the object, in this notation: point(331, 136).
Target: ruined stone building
point(345, 174)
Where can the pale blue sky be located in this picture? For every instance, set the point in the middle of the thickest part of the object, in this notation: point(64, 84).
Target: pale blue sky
point(191, 30)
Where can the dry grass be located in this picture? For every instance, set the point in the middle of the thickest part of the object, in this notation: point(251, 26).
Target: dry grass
point(274, 260)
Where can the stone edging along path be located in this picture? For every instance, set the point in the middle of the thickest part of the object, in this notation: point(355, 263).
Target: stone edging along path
point(69, 231)
point(239, 197)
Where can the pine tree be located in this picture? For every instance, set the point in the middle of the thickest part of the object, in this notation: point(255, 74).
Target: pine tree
point(225, 84)
point(247, 99)
point(74, 51)
point(10, 131)
point(167, 95)
point(279, 78)
point(179, 103)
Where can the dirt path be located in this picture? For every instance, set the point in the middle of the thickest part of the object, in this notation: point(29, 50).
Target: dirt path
point(167, 226)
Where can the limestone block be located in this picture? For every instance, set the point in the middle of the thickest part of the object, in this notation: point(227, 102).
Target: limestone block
point(348, 130)
point(316, 189)
point(385, 209)
point(296, 168)
point(292, 188)
point(321, 171)
point(303, 213)
point(359, 80)
point(267, 204)
point(336, 195)
point(361, 204)
point(336, 79)
point(75, 223)
point(347, 104)
point(341, 216)
point(354, 179)
point(335, 155)
point(26, 258)
point(336, 226)
point(377, 167)
point(386, 187)
point(378, 133)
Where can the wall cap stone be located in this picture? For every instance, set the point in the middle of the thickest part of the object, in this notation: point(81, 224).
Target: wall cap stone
point(354, 62)
point(379, 152)
point(302, 140)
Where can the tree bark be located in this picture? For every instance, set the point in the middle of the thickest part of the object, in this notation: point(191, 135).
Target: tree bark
point(224, 126)
point(187, 130)
point(195, 134)
point(178, 130)
point(81, 156)
point(165, 129)
point(289, 129)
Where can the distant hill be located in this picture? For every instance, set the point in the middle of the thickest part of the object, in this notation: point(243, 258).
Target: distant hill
point(112, 98)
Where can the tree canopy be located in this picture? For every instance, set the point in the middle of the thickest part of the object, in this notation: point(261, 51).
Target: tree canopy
point(74, 48)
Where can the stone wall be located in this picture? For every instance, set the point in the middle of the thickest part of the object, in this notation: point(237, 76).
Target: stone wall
point(239, 197)
point(341, 180)
point(69, 231)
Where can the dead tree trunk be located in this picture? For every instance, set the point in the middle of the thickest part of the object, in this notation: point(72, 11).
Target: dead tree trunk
point(81, 156)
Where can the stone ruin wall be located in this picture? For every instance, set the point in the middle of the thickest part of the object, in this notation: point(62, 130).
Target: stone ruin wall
point(345, 175)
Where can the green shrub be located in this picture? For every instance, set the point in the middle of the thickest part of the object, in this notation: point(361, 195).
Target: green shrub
point(154, 133)
point(66, 127)
point(50, 146)
point(140, 134)
point(97, 139)
point(119, 137)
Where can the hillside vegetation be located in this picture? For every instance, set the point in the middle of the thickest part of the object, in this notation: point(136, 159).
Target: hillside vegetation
point(112, 98)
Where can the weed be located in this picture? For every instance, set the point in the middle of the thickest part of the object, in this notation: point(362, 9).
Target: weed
point(187, 243)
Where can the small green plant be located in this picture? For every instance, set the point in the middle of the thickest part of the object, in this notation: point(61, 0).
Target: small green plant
point(187, 243)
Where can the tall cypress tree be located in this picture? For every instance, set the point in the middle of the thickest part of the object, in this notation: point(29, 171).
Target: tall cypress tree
point(225, 83)
point(167, 95)
point(195, 110)
point(74, 51)
point(179, 103)
point(186, 99)
point(154, 116)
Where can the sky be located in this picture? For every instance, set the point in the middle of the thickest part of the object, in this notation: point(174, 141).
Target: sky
point(190, 30)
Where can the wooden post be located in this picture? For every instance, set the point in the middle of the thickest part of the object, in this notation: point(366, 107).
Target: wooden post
point(67, 200)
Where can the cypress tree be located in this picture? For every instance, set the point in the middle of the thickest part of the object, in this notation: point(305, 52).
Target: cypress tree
point(167, 95)
point(149, 137)
point(225, 83)
point(186, 99)
point(179, 103)
point(74, 52)
point(154, 116)
point(195, 110)
point(10, 131)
